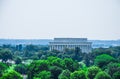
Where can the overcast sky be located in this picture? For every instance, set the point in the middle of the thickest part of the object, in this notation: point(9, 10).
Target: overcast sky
point(44, 19)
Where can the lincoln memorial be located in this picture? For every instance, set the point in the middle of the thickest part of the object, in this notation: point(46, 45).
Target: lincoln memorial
point(71, 43)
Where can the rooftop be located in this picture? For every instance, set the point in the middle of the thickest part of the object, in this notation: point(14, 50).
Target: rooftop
point(70, 39)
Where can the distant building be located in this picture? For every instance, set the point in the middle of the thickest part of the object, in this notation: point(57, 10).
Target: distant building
point(71, 43)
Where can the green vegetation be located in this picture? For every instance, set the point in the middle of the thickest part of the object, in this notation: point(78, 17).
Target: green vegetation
point(21, 68)
point(70, 64)
point(3, 67)
point(11, 75)
point(113, 68)
point(37, 62)
point(92, 71)
point(5, 54)
point(116, 75)
point(36, 67)
point(43, 75)
point(102, 75)
point(103, 60)
point(18, 60)
point(65, 74)
point(78, 75)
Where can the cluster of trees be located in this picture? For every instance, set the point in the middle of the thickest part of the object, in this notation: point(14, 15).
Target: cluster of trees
point(105, 67)
point(7, 73)
point(101, 63)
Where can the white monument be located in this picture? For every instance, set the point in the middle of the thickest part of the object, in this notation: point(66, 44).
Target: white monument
point(71, 43)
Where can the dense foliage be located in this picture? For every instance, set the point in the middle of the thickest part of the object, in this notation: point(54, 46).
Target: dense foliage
point(92, 71)
point(78, 75)
point(12, 75)
point(3, 67)
point(37, 62)
point(103, 60)
point(102, 75)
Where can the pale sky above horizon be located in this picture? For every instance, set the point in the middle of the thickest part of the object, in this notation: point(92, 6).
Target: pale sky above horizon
point(46, 19)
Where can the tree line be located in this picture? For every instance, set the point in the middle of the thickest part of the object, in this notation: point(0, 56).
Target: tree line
point(37, 62)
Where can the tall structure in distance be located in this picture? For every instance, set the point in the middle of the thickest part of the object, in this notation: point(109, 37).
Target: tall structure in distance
point(71, 43)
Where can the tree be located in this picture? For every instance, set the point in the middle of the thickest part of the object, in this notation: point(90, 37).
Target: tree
point(65, 74)
point(103, 60)
point(11, 75)
point(92, 71)
point(78, 75)
point(18, 60)
point(71, 65)
point(55, 71)
point(3, 67)
point(36, 67)
point(5, 54)
point(31, 48)
point(83, 66)
point(44, 48)
point(112, 68)
point(21, 68)
point(19, 47)
point(55, 61)
point(102, 75)
point(43, 75)
point(39, 54)
point(116, 75)
point(78, 53)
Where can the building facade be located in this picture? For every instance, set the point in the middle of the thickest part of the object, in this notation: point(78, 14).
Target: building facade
point(71, 43)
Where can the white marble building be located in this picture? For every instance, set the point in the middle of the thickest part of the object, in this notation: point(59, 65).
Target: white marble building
point(62, 43)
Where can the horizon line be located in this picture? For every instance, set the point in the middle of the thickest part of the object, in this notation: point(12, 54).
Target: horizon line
point(48, 38)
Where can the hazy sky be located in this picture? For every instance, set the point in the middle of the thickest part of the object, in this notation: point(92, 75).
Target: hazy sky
point(43, 19)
